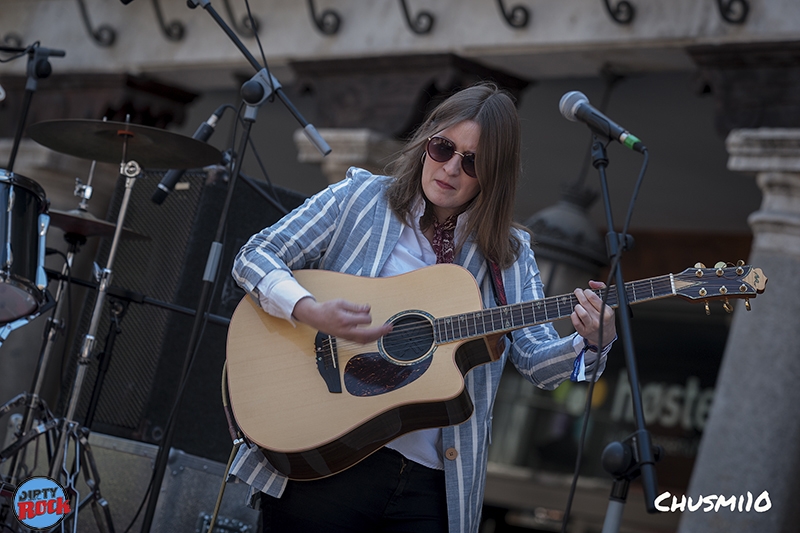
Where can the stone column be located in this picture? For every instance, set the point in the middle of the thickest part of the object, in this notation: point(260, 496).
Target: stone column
point(363, 148)
point(751, 442)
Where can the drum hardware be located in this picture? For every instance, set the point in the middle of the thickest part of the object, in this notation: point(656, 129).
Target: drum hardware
point(23, 228)
point(70, 430)
point(101, 141)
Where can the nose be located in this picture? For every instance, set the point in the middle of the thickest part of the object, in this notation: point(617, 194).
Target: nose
point(453, 165)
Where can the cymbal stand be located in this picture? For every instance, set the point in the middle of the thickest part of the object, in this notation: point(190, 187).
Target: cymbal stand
point(70, 429)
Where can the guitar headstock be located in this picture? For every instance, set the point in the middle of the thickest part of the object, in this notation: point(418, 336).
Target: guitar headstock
point(722, 282)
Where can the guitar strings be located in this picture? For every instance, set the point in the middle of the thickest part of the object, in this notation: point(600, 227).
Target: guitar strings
point(414, 332)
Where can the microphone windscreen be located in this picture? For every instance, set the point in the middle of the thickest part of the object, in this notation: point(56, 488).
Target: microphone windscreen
point(568, 103)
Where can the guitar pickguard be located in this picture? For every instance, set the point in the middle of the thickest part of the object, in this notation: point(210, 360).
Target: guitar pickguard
point(369, 374)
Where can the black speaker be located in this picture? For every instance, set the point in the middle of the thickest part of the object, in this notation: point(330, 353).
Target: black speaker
point(144, 366)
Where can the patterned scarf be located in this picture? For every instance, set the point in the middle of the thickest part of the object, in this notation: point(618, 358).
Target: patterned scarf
point(443, 239)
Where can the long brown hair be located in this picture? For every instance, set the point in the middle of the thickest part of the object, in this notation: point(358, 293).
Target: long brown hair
point(497, 162)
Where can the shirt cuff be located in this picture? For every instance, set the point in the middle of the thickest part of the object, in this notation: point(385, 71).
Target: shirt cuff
point(279, 292)
point(585, 357)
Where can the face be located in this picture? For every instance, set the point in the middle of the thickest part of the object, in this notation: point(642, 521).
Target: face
point(446, 185)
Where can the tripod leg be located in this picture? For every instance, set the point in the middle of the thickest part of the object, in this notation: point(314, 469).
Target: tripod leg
point(100, 509)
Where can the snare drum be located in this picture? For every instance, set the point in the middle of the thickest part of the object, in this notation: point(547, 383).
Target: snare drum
point(23, 230)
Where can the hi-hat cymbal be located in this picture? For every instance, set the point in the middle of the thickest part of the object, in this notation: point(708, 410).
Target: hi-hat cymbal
point(85, 224)
point(102, 141)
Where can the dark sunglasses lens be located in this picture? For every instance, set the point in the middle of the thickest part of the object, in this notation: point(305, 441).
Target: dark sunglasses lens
point(468, 164)
point(440, 150)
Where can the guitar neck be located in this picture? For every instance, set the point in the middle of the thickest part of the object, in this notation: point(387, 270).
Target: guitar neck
point(515, 316)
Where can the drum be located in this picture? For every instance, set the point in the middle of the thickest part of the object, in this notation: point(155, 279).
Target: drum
point(23, 229)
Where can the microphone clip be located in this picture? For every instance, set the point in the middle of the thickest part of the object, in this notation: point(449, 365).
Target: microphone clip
point(257, 90)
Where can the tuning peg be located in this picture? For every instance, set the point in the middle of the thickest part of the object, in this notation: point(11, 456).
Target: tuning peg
point(747, 303)
point(708, 309)
point(720, 264)
point(727, 306)
point(740, 263)
point(699, 265)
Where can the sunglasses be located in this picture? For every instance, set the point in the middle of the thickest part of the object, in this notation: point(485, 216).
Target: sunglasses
point(442, 150)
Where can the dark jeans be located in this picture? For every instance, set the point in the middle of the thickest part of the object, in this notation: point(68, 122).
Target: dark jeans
point(383, 493)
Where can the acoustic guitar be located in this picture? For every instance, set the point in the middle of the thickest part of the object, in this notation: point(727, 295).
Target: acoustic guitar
point(317, 405)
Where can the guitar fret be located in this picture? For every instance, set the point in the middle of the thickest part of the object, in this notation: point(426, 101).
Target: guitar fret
point(548, 309)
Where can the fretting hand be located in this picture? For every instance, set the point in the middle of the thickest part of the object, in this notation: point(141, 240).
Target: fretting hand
point(586, 316)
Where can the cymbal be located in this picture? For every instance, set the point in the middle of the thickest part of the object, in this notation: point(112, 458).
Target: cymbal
point(102, 141)
point(86, 224)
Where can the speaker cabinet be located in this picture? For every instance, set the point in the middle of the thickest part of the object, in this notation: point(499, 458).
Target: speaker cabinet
point(155, 282)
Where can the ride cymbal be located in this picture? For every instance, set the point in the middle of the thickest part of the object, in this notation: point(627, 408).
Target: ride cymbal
point(103, 141)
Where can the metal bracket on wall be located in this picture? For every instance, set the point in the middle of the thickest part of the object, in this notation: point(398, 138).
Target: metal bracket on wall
point(14, 40)
point(518, 17)
point(734, 11)
point(175, 30)
point(622, 13)
point(245, 28)
point(104, 35)
point(422, 23)
point(327, 22)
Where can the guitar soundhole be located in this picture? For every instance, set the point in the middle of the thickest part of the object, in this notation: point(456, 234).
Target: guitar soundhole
point(410, 340)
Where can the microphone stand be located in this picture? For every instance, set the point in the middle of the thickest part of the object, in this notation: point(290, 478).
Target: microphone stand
point(254, 92)
point(640, 450)
point(38, 68)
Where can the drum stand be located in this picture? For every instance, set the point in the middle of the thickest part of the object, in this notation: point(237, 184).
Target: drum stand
point(35, 407)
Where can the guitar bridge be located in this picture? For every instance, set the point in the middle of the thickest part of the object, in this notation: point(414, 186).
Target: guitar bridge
point(328, 361)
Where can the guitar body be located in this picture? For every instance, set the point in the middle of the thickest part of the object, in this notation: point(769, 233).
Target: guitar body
point(307, 429)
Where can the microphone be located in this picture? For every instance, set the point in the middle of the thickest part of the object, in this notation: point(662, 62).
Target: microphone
point(172, 177)
point(576, 107)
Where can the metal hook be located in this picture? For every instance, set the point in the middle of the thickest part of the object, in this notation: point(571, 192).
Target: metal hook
point(622, 13)
point(518, 17)
point(104, 35)
point(175, 30)
point(13, 40)
point(422, 23)
point(246, 28)
point(734, 11)
point(327, 22)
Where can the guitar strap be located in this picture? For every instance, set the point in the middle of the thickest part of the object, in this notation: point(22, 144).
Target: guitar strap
point(497, 284)
point(499, 290)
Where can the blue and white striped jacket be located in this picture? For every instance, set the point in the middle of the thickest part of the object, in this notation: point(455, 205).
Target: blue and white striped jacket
point(350, 228)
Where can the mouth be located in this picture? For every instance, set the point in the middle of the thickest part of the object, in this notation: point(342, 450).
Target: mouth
point(444, 185)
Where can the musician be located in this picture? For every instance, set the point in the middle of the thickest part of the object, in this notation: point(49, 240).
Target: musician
point(449, 198)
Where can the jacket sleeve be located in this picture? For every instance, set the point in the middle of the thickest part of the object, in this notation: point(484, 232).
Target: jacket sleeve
point(538, 353)
point(298, 240)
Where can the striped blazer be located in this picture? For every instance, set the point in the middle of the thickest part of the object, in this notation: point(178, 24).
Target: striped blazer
point(349, 227)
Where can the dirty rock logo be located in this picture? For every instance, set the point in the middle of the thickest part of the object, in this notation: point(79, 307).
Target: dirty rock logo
point(40, 503)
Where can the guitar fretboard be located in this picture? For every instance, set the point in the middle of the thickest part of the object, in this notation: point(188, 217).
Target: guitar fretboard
point(515, 316)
